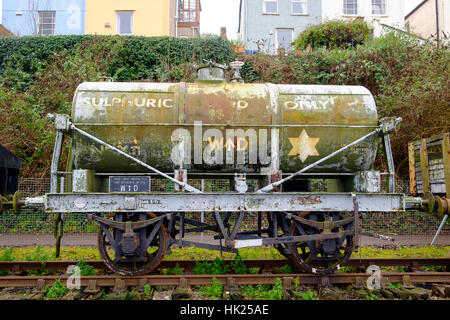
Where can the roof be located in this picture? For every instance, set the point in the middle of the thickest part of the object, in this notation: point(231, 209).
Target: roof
point(416, 8)
point(9, 159)
point(5, 32)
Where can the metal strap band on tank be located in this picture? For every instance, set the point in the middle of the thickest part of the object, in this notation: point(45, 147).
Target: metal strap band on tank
point(181, 93)
point(271, 186)
point(186, 186)
point(273, 96)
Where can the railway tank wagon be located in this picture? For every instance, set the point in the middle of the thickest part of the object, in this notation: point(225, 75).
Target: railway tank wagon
point(126, 135)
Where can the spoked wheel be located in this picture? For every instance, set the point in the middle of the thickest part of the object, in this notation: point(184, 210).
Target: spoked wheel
point(142, 257)
point(321, 256)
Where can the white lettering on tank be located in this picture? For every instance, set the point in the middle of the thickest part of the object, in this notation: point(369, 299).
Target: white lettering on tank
point(139, 102)
point(308, 102)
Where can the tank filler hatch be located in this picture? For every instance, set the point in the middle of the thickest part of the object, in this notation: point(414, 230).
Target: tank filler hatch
point(211, 72)
point(214, 72)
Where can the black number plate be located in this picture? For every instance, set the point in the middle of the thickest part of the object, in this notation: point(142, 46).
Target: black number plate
point(129, 184)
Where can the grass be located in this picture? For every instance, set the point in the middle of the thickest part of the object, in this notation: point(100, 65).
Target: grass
point(308, 295)
point(56, 291)
point(264, 292)
point(213, 291)
point(47, 253)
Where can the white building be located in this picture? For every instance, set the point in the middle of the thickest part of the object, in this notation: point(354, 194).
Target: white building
point(375, 12)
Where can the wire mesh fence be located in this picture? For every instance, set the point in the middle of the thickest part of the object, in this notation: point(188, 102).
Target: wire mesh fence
point(39, 222)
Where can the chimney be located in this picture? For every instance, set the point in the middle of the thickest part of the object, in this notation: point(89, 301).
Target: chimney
point(223, 33)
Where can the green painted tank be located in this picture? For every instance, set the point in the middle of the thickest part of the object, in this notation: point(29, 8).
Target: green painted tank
point(217, 127)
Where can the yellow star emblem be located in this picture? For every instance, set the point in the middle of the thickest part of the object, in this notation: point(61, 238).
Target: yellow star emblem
point(304, 146)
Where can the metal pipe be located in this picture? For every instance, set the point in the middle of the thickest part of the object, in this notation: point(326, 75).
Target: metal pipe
point(271, 186)
point(182, 184)
point(202, 218)
point(437, 22)
point(55, 161)
point(440, 228)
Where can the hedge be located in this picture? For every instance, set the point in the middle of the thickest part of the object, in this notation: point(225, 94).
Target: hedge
point(136, 58)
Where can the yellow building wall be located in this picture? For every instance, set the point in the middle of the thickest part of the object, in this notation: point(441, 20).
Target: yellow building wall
point(423, 20)
point(150, 18)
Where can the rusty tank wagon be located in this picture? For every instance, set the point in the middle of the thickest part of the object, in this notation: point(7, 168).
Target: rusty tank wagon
point(123, 136)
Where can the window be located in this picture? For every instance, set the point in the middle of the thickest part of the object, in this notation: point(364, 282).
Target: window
point(299, 7)
point(47, 22)
point(187, 10)
point(270, 6)
point(284, 38)
point(379, 7)
point(124, 22)
point(350, 6)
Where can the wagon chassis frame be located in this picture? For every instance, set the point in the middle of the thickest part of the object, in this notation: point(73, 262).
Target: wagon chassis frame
point(194, 200)
point(168, 208)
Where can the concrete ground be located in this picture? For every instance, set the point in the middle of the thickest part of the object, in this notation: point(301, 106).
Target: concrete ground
point(24, 240)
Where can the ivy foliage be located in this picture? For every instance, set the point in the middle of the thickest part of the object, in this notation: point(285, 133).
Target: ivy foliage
point(132, 57)
point(333, 34)
point(408, 79)
point(39, 75)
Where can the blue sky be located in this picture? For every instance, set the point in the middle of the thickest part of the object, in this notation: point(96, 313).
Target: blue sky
point(225, 13)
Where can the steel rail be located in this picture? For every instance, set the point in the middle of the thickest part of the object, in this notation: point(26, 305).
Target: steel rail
point(16, 267)
point(226, 279)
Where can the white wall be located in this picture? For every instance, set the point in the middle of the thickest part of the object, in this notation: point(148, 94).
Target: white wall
point(445, 12)
point(333, 9)
point(1, 11)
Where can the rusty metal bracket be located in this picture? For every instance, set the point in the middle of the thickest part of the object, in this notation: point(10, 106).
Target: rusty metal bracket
point(289, 239)
point(124, 225)
point(325, 224)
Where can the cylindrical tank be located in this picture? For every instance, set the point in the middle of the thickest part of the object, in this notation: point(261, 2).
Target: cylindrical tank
point(209, 127)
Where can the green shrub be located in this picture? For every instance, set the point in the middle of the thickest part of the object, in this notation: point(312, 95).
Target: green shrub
point(39, 75)
point(308, 295)
point(56, 291)
point(265, 292)
point(406, 78)
point(217, 266)
point(214, 291)
point(333, 34)
point(85, 269)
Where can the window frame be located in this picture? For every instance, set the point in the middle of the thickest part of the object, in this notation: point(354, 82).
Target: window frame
point(52, 24)
point(195, 10)
point(264, 7)
point(344, 7)
point(306, 2)
point(383, 6)
point(118, 12)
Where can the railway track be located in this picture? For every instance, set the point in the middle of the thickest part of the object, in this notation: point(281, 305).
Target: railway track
point(118, 283)
point(17, 267)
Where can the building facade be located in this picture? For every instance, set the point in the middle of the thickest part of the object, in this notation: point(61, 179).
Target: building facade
point(179, 18)
point(422, 20)
point(267, 25)
point(375, 12)
point(188, 18)
point(44, 17)
point(130, 17)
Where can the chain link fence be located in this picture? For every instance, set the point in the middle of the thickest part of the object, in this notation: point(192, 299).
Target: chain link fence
point(37, 222)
